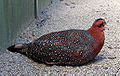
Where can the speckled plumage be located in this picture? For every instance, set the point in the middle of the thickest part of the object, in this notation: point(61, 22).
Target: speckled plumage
point(72, 47)
point(63, 47)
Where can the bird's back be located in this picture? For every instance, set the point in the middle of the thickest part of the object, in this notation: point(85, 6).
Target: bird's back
point(64, 47)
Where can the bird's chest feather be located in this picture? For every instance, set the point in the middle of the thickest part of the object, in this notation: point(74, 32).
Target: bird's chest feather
point(86, 47)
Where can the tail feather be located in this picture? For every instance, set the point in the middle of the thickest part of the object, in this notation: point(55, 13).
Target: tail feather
point(16, 48)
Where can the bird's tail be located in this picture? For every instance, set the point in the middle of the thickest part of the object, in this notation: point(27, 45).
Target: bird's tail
point(19, 48)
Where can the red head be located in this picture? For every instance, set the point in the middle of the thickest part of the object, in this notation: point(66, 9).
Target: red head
point(97, 30)
point(99, 24)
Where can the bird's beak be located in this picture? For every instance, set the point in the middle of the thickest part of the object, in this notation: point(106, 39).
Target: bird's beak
point(104, 23)
point(102, 28)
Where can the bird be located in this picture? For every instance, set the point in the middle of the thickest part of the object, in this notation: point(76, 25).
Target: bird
point(67, 47)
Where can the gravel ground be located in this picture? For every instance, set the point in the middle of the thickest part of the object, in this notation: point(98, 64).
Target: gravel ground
point(71, 14)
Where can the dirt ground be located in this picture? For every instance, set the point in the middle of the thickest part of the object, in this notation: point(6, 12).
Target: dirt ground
point(71, 14)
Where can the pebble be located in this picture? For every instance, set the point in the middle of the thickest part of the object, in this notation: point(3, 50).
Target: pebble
point(72, 6)
point(105, 68)
point(112, 57)
point(67, 4)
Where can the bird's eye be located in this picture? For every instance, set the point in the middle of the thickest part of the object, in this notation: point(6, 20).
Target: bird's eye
point(102, 24)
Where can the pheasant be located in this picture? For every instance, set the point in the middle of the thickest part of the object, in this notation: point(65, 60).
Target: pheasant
point(68, 47)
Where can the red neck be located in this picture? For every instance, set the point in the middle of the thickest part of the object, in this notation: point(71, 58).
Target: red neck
point(97, 34)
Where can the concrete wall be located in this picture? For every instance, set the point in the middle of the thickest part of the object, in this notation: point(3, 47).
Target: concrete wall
point(14, 14)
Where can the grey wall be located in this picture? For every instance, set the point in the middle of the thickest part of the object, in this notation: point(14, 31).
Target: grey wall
point(14, 14)
point(42, 4)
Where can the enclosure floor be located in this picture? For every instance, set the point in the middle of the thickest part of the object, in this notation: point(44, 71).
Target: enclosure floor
point(71, 14)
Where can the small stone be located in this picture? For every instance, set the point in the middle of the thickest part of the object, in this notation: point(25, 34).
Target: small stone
point(117, 47)
point(104, 13)
point(117, 21)
point(111, 57)
point(67, 4)
point(110, 47)
point(105, 68)
point(98, 11)
point(72, 3)
point(72, 6)
point(116, 71)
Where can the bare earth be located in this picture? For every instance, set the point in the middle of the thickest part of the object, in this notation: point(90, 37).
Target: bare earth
point(71, 14)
